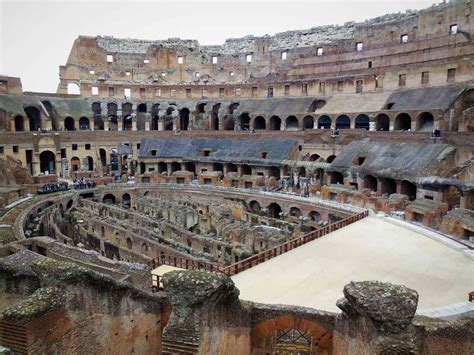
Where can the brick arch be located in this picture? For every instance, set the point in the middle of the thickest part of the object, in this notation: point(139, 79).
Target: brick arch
point(262, 334)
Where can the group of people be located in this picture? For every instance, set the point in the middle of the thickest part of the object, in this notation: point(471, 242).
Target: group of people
point(53, 187)
point(82, 183)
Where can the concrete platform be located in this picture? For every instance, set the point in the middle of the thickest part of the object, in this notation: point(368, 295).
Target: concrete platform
point(372, 249)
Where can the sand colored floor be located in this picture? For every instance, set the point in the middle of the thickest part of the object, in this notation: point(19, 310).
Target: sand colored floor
point(314, 275)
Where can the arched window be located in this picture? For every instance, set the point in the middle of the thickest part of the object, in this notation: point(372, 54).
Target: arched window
point(402, 122)
point(69, 124)
point(34, 117)
point(184, 119)
point(343, 122)
point(324, 122)
point(382, 122)
point(84, 124)
point(259, 123)
point(19, 123)
point(425, 122)
point(73, 89)
point(274, 210)
point(47, 162)
point(275, 123)
point(292, 123)
point(362, 122)
point(308, 122)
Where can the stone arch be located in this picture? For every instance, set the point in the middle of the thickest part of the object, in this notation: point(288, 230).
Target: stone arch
point(48, 162)
point(330, 158)
point(84, 124)
point(425, 122)
point(19, 123)
point(324, 122)
point(69, 124)
point(162, 167)
point(295, 212)
point(283, 333)
point(308, 122)
point(314, 157)
point(129, 243)
point(184, 119)
point(408, 188)
point(69, 204)
point(232, 168)
point(275, 123)
point(259, 123)
point(343, 122)
point(362, 121)
point(109, 199)
point(96, 108)
point(370, 182)
point(73, 89)
point(75, 164)
point(402, 122)
point(144, 247)
point(382, 122)
point(314, 216)
point(274, 210)
point(34, 117)
point(127, 123)
point(244, 121)
point(175, 166)
point(292, 123)
point(126, 200)
point(229, 123)
point(254, 206)
point(389, 186)
point(246, 169)
point(336, 177)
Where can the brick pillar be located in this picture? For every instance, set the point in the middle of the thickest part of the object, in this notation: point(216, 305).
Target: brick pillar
point(379, 187)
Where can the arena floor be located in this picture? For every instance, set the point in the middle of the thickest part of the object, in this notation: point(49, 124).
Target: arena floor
point(372, 249)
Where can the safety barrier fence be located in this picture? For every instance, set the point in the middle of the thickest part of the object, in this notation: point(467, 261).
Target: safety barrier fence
point(245, 264)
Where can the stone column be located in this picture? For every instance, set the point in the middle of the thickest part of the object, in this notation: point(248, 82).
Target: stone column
point(106, 124)
point(147, 125)
point(379, 187)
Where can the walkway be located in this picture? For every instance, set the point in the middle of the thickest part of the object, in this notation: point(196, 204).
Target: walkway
point(372, 249)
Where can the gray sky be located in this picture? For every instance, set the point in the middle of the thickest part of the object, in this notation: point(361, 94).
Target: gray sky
point(36, 36)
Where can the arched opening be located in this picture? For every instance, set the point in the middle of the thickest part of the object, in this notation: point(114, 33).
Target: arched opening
point(184, 119)
point(292, 123)
point(254, 206)
point(175, 166)
point(260, 123)
point(324, 122)
point(88, 163)
point(84, 124)
point(295, 212)
point(154, 123)
point(69, 204)
point(109, 199)
point(389, 186)
point(314, 216)
point(370, 182)
point(69, 124)
point(229, 123)
point(168, 125)
point(409, 189)
point(47, 162)
point(336, 177)
point(362, 122)
point(275, 123)
point(191, 167)
point(382, 122)
point(73, 89)
point(96, 108)
point(141, 108)
point(19, 124)
point(127, 123)
point(330, 159)
point(343, 122)
point(314, 157)
point(402, 122)
point(246, 170)
point(129, 243)
point(218, 167)
point(103, 157)
point(142, 168)
point(34, 117)
point(75, 164)
point(126, 200)
point(452, 197)
point(144, 247)
point(162, 167)
point(274, 171)
point(274, 210)
point(425, 122)
point(308, 122)
point(289, 334)
point(231, 168)
point(244, 121)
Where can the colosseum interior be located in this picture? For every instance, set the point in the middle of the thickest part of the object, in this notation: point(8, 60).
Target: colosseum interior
point(310, 192)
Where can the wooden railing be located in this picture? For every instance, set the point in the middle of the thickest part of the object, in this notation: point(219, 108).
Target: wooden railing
point(254, 260)
point(184, 263)
point(290, 245)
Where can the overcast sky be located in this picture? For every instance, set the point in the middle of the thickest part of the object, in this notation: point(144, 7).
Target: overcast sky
point(36, 36)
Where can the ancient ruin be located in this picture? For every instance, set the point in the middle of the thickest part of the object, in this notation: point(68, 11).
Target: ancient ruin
point(310, 192)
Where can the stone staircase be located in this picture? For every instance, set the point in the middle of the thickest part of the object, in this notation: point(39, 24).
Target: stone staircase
point(181, 338)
